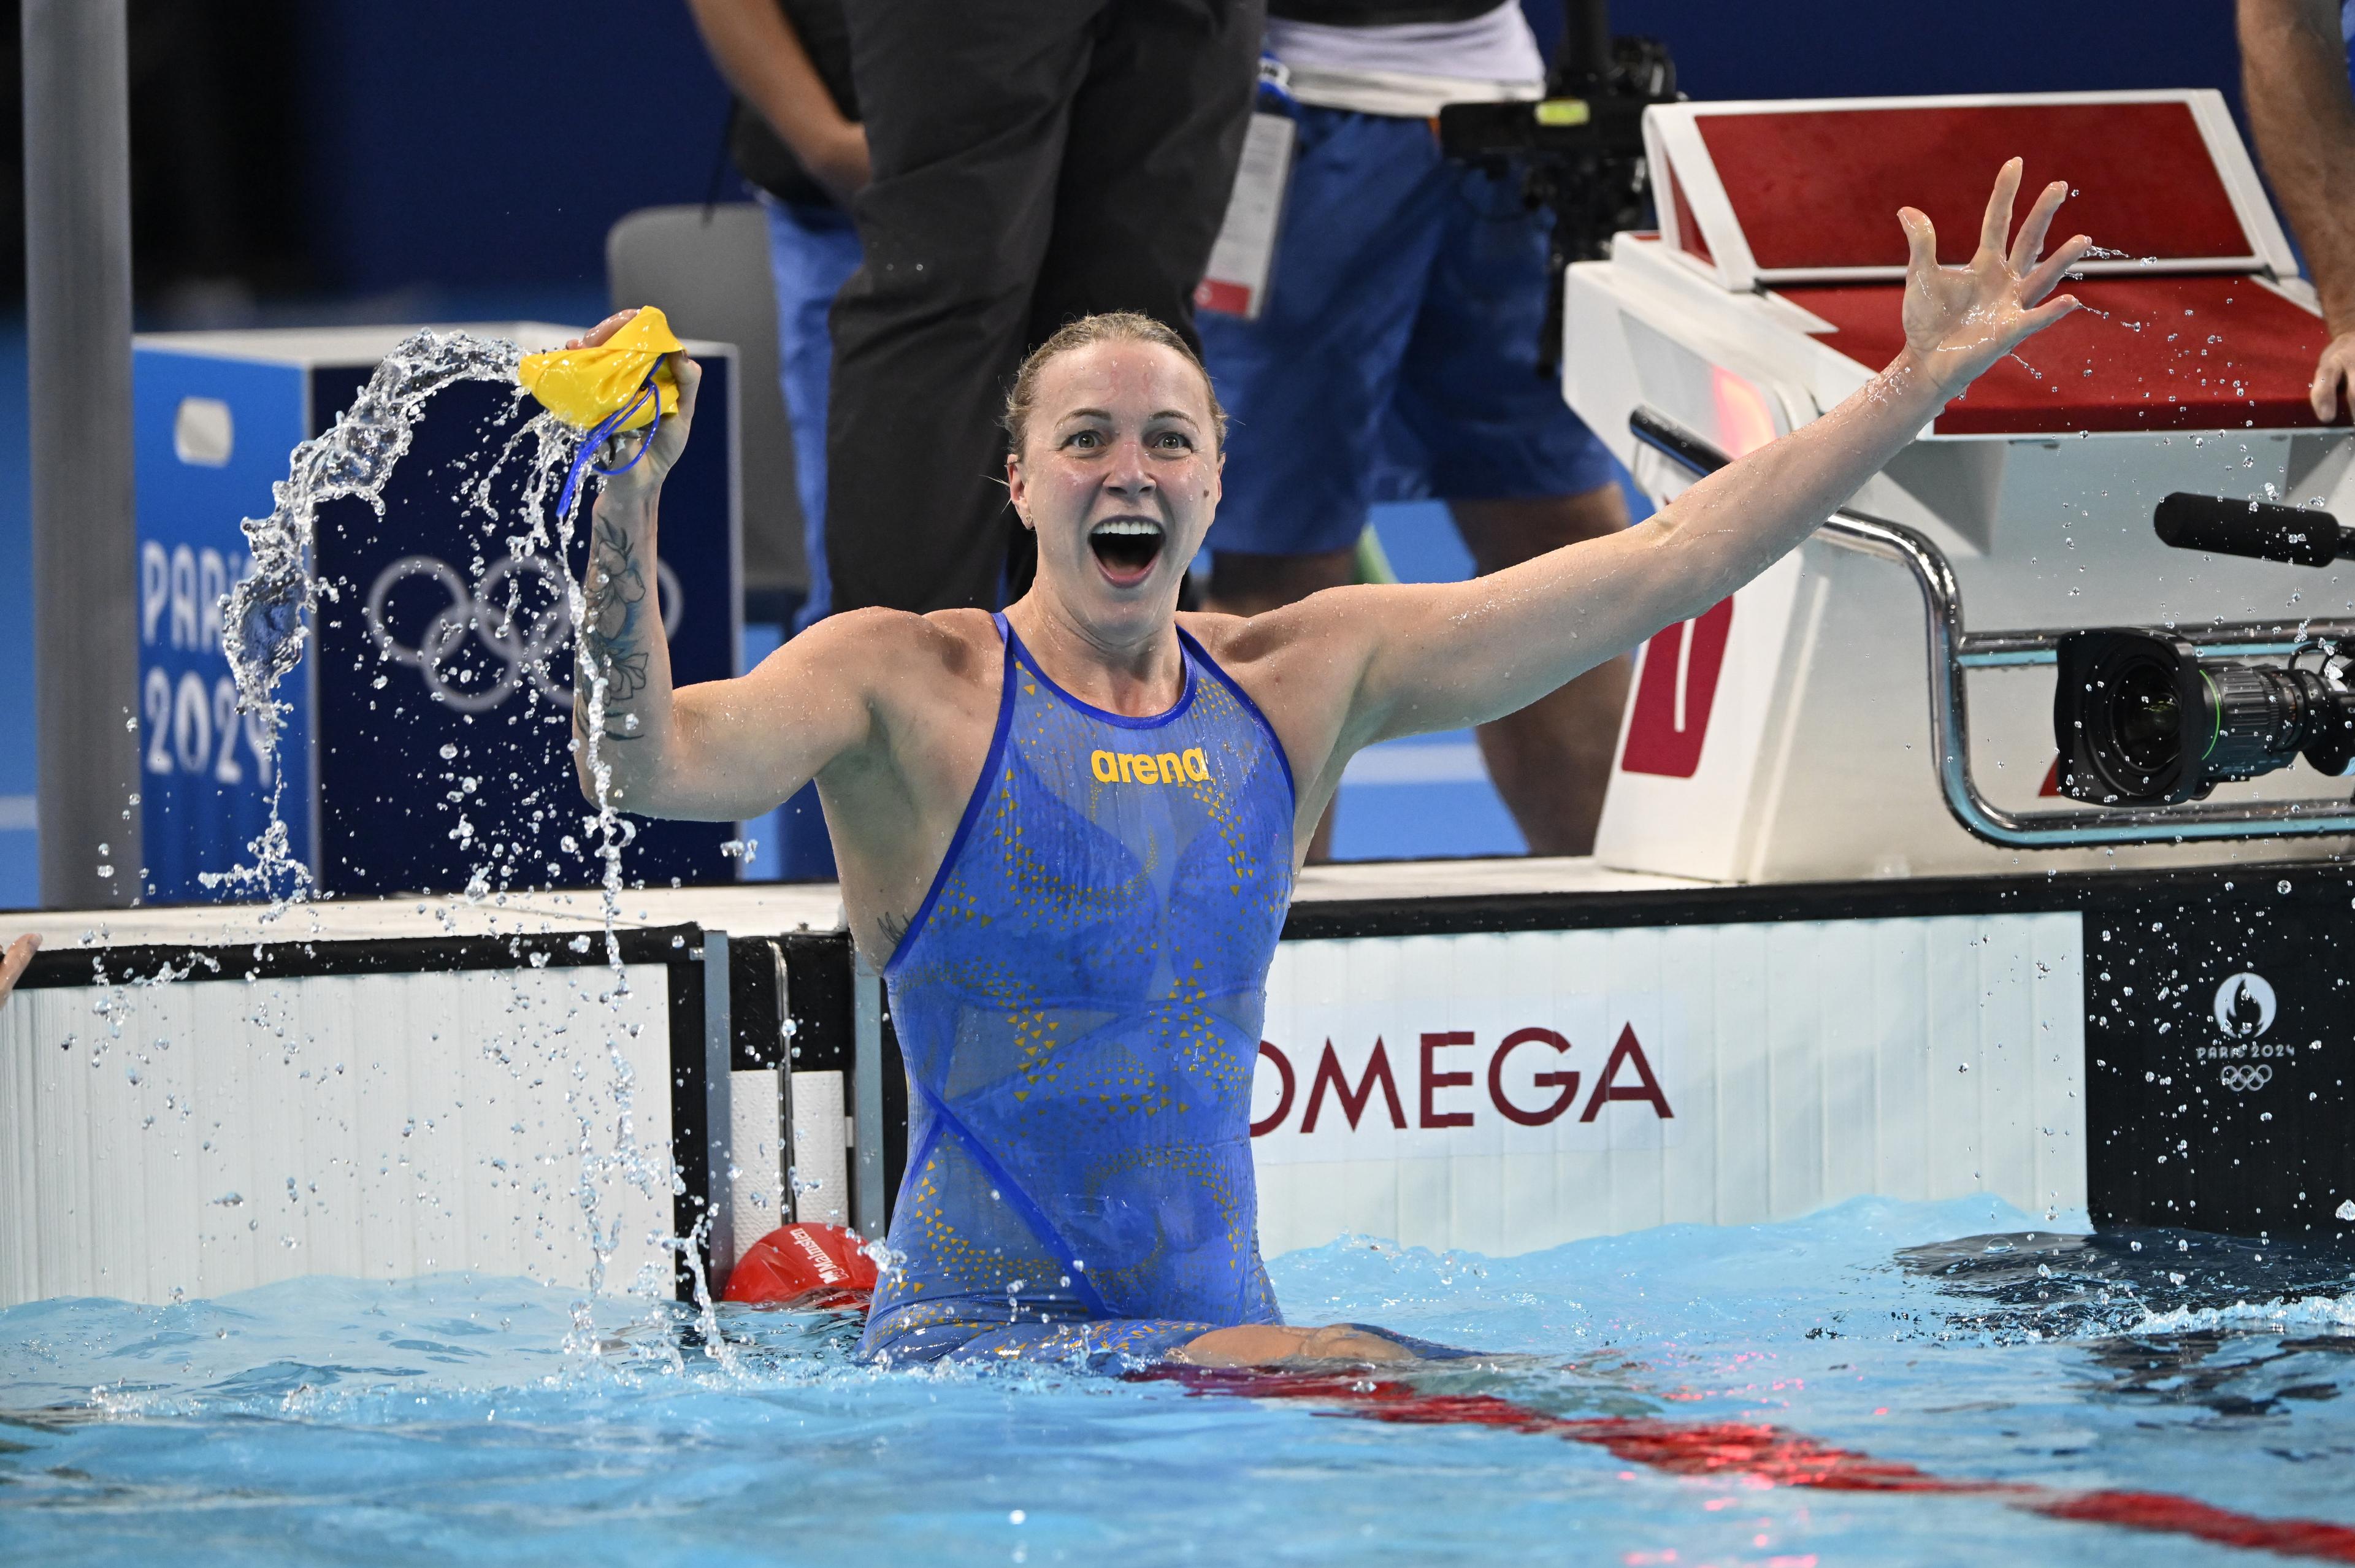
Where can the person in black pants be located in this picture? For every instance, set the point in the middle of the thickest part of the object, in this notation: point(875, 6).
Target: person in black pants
point(1033, 161)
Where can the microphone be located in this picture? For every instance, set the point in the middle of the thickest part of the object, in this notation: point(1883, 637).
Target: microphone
point(2259, 530)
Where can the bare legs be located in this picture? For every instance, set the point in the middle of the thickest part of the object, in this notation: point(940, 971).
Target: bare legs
point(1552, 760)
point(1253, 584)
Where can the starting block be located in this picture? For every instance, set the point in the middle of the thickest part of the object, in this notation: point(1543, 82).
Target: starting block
point(1785, 735)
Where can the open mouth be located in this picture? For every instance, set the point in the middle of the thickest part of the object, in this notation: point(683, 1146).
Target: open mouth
point(1126, 547)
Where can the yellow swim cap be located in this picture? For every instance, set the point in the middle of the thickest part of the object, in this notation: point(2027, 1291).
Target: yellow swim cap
point(582, 387)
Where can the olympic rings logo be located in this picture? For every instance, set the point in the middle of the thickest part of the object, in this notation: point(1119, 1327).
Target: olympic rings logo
point(518, 615)
point(2241, 1080)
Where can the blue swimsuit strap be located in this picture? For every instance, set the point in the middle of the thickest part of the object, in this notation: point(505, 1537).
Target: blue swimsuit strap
point(972, 805)
point(1198, 653)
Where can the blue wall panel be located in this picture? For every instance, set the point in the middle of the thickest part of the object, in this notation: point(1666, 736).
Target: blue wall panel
point(1850, 49)
point(461, 144)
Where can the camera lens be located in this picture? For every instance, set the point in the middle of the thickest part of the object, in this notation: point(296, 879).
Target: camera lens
point(2146, 718)
point(2122, 709)
point(2141, 721)
point(2261, 718)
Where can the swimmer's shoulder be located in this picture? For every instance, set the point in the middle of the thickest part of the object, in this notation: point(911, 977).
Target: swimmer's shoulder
point(1311, 626)
point(1298, 664)
point(1228, 639)
point(898, 650)
point(945, 639)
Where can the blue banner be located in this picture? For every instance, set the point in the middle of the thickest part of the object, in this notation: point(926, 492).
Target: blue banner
point(210, 436)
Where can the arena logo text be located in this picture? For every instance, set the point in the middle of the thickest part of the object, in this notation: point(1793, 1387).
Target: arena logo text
point(1188, 766)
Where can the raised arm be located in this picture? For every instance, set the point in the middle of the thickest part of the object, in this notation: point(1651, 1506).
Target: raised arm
point(717, 751)
point(1441, 657)
point(2294, 85)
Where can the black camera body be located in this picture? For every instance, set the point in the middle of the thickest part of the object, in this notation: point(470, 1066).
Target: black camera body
point(1579, 151)
point(2141, 720)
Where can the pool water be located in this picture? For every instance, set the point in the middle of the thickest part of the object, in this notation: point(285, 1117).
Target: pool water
point(328, 1420)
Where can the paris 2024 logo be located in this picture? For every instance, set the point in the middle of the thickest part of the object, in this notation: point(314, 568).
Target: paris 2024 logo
point(2245, 1010)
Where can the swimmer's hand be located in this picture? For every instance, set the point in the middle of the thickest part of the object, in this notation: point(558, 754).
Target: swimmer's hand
point(2337, 366)
point(1960, 320)
point(13, 962)
point(669, 441)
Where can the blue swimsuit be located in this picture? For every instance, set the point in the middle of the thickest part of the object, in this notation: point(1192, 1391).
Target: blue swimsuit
point(1079, 1002)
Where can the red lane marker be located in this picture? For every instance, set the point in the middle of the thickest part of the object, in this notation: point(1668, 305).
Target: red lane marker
point(2165, 1514)
point(1751, 1451)
point(1768, 1453)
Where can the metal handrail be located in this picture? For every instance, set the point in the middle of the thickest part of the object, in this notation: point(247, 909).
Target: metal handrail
point(2236, 639)
point(1952, 652)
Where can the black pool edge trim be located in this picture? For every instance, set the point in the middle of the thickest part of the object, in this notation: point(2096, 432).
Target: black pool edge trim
point(304, 959)
point(1320, 919)
point(1746, 904)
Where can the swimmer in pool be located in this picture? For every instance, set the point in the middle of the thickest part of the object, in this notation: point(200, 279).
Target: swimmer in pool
point(1067, 833)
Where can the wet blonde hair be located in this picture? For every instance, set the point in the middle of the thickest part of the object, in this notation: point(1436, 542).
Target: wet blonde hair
point(1111, 326)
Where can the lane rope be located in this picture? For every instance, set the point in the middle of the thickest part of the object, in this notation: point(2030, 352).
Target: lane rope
point(1759, 1453)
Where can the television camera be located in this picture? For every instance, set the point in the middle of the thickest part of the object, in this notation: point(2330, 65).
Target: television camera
point(1579, 148)
point(2151, 717)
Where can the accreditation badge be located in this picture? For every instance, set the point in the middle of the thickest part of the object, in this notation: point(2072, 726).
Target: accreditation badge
point(1236, 282)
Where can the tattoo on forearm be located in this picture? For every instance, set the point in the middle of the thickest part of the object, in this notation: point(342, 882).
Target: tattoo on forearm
point(894, 928)
point(613, 635)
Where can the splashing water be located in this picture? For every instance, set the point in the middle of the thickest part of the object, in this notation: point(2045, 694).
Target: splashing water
point(355, 457)
point(265, 633)
point(263, 630)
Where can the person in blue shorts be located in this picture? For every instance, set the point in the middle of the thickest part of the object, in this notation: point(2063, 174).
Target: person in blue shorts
point(796, 137)
point(1395, 356)
point(1068, 832)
